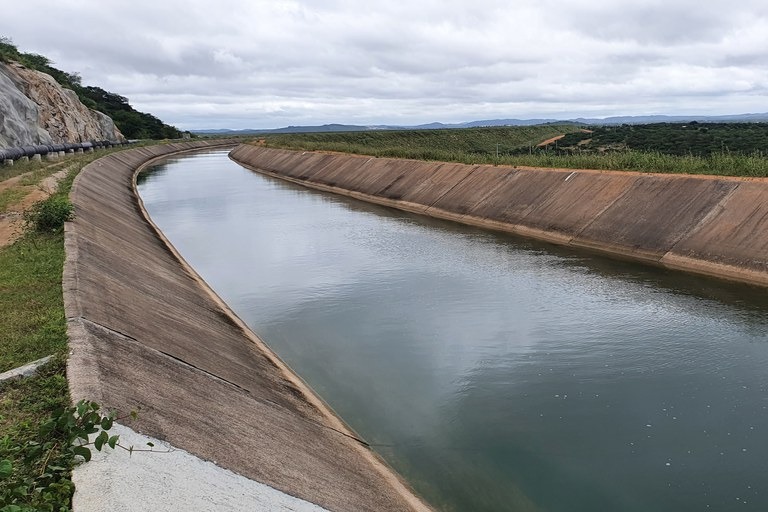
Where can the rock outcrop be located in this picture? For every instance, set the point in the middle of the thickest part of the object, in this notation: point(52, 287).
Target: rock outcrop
point(35, 109)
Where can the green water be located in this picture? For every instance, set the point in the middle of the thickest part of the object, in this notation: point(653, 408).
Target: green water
point(494, 373)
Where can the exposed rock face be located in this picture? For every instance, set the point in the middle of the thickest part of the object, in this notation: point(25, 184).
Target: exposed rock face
point(35, 109)
point(18, 116)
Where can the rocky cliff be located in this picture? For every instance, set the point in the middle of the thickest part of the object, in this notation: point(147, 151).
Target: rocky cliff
point(35, 109)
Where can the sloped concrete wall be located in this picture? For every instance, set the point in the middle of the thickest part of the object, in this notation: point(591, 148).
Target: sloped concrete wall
point(146, 333)
point(709, 225)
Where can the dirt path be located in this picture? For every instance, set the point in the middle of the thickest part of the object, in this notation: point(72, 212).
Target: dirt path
point(549, 141)
point(12, 220)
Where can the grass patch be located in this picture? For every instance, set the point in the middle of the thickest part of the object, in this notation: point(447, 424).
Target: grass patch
point(36, 176)
point(25, 405)
point(18, 168)
point(33, 323)
point(718, 164)
point(11, 196)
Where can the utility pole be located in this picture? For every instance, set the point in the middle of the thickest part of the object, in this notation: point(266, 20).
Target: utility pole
point(497, 149)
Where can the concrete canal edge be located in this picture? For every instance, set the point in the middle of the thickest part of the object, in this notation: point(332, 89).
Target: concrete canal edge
point(716, 226)
point(147, 334)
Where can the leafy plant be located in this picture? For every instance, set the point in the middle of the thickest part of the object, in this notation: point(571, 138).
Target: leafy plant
point(49, 214)
point(36, 475)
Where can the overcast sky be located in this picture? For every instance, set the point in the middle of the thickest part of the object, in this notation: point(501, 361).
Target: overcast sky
point(272, 63)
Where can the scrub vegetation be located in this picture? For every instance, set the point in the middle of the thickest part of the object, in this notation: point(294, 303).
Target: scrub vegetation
point(469, 145)
point(727, 149)
point(682, 139)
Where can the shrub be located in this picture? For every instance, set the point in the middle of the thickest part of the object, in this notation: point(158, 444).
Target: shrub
point(35, 476)
point(50, 214)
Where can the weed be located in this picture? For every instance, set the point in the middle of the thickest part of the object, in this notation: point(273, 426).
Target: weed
point(37, 455)
point(49, 215)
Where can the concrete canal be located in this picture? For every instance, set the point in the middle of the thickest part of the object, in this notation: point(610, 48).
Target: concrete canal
point(494, 373)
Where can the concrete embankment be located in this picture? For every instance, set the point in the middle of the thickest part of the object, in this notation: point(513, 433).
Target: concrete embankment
point(147, 334)
point(716, 226)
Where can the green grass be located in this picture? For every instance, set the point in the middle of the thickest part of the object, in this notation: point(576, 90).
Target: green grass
point(720, 164)
point(33, 325)
point(24, 406)
point(516, 147)
point(18, 168)
point(469, 145)
point(36, 176)
point(10, 196)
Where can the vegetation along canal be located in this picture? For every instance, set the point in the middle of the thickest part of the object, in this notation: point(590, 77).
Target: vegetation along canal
point(493, 373)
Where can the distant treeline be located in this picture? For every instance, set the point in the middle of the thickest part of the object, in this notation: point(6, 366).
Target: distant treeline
point(696, 139)
point(132, 123)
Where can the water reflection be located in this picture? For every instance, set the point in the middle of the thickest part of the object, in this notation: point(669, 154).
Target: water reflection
point(496, 373)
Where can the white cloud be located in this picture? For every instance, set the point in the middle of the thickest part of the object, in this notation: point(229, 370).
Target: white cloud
point(270, 63)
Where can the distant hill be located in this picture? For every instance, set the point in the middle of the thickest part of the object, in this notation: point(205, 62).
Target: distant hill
point(735, 118)
point(617, 120)
point(326, 128)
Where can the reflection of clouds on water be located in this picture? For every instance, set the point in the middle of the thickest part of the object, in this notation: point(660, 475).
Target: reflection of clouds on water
point(495, 370)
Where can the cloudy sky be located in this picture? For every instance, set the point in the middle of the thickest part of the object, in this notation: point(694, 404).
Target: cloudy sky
point(272, 63)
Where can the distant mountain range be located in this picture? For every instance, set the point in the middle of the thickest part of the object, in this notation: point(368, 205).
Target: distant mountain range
point(736, 118)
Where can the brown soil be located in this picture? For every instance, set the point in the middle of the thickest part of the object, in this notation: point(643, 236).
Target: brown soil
point(11, 220)
point(549, 141)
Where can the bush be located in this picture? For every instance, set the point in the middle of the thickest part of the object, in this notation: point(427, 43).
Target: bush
point(50, 214)
point(35, 476)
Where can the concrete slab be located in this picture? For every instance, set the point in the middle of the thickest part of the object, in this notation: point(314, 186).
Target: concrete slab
point(27, 370)
point(169, 479)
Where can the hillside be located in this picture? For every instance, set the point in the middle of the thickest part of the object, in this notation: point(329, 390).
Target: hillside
point(131, 123)
point(694, 138)
point(467, 144)
point(35, 109)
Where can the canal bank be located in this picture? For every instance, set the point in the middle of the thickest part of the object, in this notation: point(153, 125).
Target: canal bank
point(148, 335)
point(716, 226)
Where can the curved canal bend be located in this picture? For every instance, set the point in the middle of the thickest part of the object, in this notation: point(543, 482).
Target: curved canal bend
point(494, 373)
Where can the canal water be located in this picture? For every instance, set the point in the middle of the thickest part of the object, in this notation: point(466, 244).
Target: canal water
point(494, 373)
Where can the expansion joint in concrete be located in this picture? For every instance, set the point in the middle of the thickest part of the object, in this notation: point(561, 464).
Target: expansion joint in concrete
point(206, 372)
point(101, 326)
point(195, 368)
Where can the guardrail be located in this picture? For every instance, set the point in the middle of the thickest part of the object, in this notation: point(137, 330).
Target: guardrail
point(9, 155)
